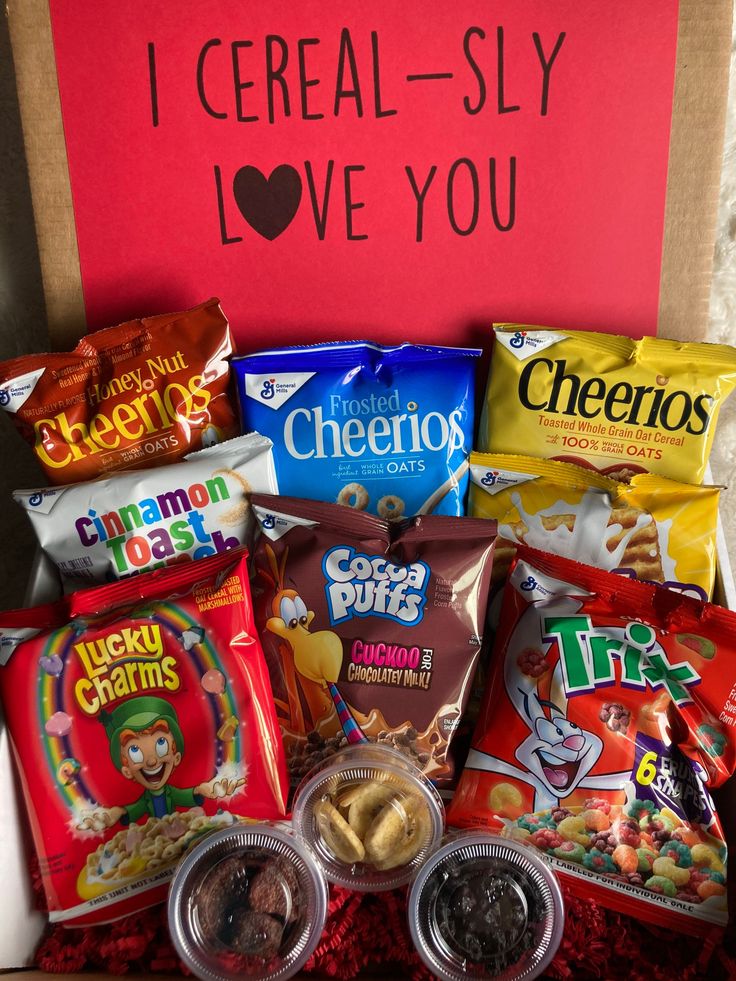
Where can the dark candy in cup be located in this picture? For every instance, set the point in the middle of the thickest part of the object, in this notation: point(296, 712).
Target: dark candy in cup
point(484, 907)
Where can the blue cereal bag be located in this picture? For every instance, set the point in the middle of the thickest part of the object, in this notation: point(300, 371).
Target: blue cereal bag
point(381, 429)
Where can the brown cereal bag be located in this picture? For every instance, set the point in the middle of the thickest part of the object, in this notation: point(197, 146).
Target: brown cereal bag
point(137, 395)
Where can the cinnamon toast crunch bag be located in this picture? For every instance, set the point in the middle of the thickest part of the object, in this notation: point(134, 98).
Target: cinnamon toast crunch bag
point(618, 405)
point(128, 397)
point(609, 715)
point(135, 521)
point(648, 528)
point(141, 718)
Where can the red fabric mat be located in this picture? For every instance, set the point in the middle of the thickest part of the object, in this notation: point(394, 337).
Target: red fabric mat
point(368, 931)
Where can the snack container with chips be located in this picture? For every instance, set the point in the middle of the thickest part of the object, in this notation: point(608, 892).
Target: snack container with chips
point(482, 907)
point(248, 903)
point(371, 817)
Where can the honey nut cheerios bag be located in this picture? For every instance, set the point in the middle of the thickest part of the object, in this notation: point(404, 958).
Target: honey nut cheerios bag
point(609, 715)
point(139, 723)
point(128, 397)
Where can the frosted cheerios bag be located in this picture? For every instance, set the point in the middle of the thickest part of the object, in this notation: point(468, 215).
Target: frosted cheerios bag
point(649, 528)
point(619, 405)
point(139, 723)
point(381, 429)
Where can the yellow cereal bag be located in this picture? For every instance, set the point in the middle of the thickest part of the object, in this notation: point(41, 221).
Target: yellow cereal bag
point(650, 528)
point(619, 405)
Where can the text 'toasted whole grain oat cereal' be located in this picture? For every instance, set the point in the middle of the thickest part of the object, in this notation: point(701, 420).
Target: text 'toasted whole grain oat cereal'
point(608, 716)
point(139, 724)
point(381, 429)
point(371, 628)
point(132, 522)
point(619, 405)
point(128, 397)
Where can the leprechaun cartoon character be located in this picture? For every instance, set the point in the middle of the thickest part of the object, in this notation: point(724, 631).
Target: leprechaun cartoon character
point(146, 746)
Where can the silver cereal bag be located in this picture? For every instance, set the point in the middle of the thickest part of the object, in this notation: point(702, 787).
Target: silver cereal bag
point(134, 521)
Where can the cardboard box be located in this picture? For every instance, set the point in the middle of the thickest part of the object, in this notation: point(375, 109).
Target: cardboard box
point(688, 217)
point(141, 204)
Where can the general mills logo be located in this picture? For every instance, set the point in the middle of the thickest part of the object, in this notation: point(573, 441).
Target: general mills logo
point(529, 584)
point(517, 340)
point(35, 499)
point(490, 478)
point(269, 521)
point(268, 391)
point(4, 397)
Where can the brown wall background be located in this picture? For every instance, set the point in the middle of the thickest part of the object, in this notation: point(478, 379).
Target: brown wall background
point(22, 326)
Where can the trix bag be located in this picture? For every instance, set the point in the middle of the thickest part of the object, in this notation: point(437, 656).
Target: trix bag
point(141, 719)
point(609, 714)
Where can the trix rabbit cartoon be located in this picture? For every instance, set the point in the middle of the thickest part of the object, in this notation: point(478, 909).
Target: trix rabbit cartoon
point(315, 657)
point(146, 745)
point(557, 755)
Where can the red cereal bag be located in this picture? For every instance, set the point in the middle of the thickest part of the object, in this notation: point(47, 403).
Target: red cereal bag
point(610, 711)
point(128, 397)
point(141, 718)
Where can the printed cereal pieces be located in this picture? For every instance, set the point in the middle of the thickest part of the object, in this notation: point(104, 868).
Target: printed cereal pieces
point(612, 751)
point(123, 762)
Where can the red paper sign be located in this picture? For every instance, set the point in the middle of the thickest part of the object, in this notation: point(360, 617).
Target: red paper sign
point(396, 171)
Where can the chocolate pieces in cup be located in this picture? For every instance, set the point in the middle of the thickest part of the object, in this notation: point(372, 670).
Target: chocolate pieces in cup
point(249, 903)
point(483, 907)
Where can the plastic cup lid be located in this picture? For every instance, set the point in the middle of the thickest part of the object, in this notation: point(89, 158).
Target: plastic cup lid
point(249, 902)
point(485, 907)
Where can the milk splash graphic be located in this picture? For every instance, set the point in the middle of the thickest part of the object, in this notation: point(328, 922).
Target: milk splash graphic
point(587, 540)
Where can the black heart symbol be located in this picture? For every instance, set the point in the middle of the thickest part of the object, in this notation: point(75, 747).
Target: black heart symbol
point(268, 204)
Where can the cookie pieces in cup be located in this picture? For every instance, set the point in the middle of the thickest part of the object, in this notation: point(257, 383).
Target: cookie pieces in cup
point(370, 816)
point(248, 903)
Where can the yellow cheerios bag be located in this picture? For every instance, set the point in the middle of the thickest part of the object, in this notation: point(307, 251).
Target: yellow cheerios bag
point(619, 405)
point(650, 528)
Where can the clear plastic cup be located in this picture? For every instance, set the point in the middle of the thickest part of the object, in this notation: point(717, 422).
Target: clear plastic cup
point(485, 907)
point(247, 903)
point(370, 816)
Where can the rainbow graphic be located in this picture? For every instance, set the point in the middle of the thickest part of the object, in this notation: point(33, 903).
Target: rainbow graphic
point(54, 695)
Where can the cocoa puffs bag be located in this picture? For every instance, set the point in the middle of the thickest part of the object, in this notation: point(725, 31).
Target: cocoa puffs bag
point(371, 628)
point(141, 718)
point(609, 714)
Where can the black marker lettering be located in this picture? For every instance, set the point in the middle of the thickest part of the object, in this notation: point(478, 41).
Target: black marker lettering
point(212, 43)
point(420, 195)
point(470, 109)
